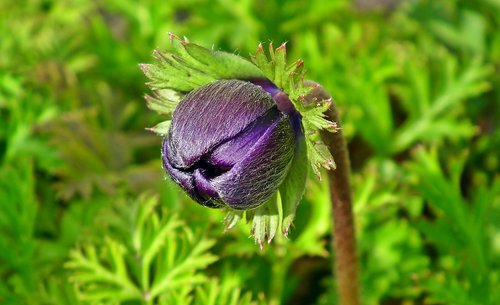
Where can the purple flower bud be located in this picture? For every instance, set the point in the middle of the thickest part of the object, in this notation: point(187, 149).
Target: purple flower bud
point(230, 143)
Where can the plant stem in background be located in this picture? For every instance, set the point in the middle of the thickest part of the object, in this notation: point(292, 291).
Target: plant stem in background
point(344, 239)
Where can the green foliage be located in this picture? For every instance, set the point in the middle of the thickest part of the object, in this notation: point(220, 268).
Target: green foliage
point(462, 235)
point(160, 262)
point(417, 85)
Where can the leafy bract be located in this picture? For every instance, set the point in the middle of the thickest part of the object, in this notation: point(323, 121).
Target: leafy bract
point(290, 79)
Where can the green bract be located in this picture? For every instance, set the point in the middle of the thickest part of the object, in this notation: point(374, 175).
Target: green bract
point(190, 67)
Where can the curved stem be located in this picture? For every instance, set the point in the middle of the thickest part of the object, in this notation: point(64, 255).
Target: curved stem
point(344, 239)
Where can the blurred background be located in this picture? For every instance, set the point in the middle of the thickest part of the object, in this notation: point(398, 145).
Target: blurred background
point(87, 215)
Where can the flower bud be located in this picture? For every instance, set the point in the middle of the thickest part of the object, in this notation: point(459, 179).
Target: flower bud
point(230, 144)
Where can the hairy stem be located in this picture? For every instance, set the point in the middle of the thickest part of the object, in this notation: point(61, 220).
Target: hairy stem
point(344, 239)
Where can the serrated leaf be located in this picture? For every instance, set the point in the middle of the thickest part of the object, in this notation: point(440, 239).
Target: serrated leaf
point(315, 118)
point(296, 71)
point(177, 67)
point(265, 222)
point(221, 65)
point(164, 101)
point(260, 59)
point(271, 52)
point(232, 218)
point(279, 66)
point(161, 128)
point(319, 155)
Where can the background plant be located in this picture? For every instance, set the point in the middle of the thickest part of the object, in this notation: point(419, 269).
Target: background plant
point(416, 82)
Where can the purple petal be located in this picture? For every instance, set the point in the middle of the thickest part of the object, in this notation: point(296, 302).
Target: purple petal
point(193, 185)
point(258, 175)
point(203, 186)
point(212, 114)
point(281, 99)
point(266, 85)
point(234, 150)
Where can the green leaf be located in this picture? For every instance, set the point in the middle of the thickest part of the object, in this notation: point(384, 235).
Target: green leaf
point(171, 257)
point(222, 65)
point(192, 66)
point(279, 66)
point(163, 101)
point(161, 128)
point(226, 293)
point(292, 189)
point(232, 218)
point(260, 59)
point(319, 155)
point(314, 118)
point(265, 222)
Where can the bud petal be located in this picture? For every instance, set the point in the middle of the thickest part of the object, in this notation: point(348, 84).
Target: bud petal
point(212, 114)
point(194, 187)
point(229, 144)
point(255, 178)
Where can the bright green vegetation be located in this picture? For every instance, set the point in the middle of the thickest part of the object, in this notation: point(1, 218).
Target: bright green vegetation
point(87, 217)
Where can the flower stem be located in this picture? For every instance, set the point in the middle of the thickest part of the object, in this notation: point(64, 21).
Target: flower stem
point(344, 239)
